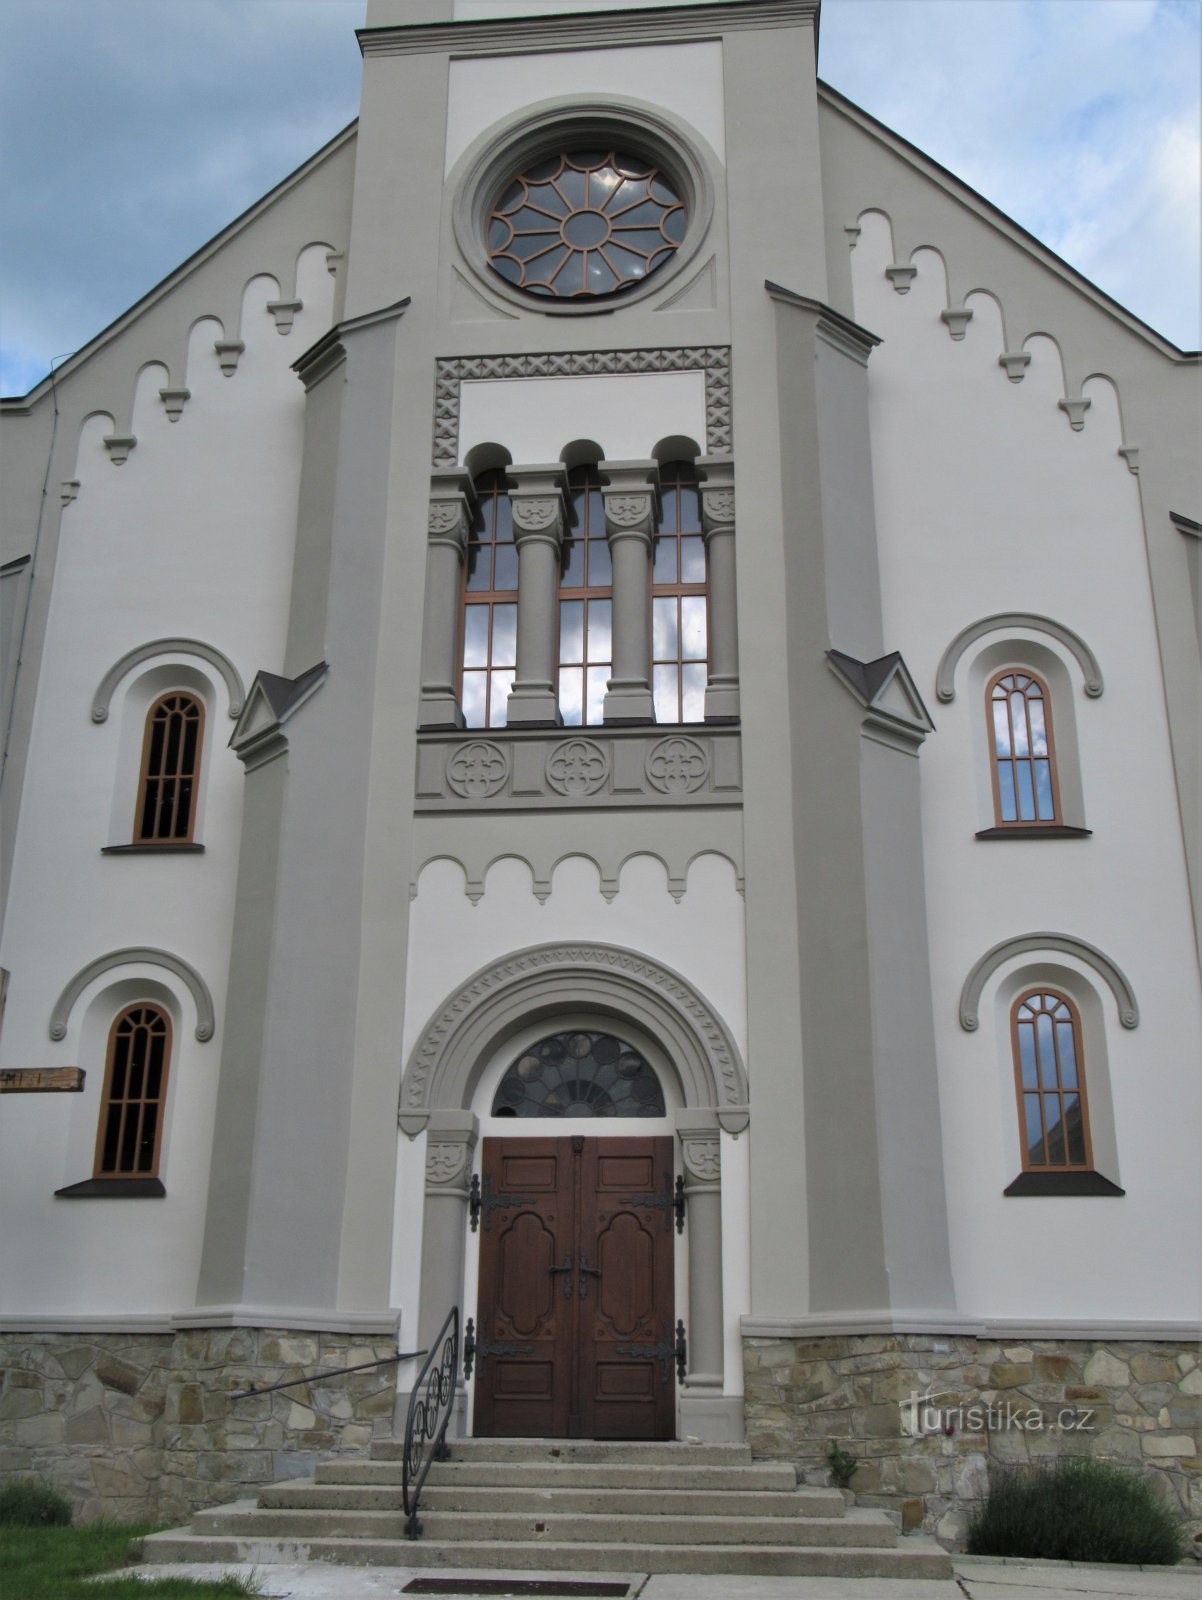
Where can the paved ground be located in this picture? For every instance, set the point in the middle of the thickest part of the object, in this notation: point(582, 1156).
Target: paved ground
point(975, 1579)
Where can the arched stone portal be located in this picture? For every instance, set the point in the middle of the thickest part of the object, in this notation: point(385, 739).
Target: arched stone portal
point(538, 984)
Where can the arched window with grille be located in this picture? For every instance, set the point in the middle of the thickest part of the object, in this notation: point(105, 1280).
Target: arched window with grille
point(1023, 758)
point(679, 606)
point(490, 607)
point(170, 776)
point(583, 1073)
point(585, 604)
point(135, 1090)
point(1050, 1080)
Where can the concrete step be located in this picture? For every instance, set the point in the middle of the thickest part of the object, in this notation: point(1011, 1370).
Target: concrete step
point(568, 1474)
point(913, 1557)
point(860, 1528)
point(642, 1452)
point(809, 1502)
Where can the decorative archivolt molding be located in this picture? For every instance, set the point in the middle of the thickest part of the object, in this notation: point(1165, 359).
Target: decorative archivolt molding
point(456, 1045)
point(712, 360)
point(945, 676)
point(1041, 944)
point(136, 955)
point(168, 647)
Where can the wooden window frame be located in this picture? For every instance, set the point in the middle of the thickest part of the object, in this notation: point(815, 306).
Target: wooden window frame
point(1056, 820)
point(1059, 1167)
point(99, 1170)
point(496, 486)
point(583, 481)
point(679, 589)
point(146, 777)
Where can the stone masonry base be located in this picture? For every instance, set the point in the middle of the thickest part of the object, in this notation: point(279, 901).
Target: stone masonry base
point(140, 1426)
point(991, 1402)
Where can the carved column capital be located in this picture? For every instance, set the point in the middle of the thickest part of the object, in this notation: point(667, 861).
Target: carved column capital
point(449, 1146)
point(702, 1154)
point(631, 496)
point(717, 476)
point(538, 496)
point(452, 506)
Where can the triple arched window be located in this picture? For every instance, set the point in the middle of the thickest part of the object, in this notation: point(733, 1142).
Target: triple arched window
point(675, 653)
point(170, 774)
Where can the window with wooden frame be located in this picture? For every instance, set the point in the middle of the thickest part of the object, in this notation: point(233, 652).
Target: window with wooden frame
point(490, 607)
point(679, 619)
point(585, 604)
point(135, 1090)
point(170, 776)
point(1023, 761)
point(1049, 1076)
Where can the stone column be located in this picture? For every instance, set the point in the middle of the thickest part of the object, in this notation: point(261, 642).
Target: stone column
point(452, 505)
point(706, 1413)
point(631, 503)
point(539, 520)
point(717, 476)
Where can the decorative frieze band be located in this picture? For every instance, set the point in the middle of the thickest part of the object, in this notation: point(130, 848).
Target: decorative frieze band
point(525, 769)
point(712, 360)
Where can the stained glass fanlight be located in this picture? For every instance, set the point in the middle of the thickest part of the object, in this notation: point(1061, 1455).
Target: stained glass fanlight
point(579, 1074)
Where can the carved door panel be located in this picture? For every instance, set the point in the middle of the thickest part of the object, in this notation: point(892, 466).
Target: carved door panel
point(576, 1302)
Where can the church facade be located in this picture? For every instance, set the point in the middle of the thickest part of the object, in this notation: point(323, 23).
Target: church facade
point(602, 702)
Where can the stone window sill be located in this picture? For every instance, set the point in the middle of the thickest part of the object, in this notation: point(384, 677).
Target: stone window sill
point(167, 848)
point(1036, 830)
point(1062, 1183)
point(113, 1189)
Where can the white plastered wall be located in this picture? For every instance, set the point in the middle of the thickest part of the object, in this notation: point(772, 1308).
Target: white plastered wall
point(988, 501)
point(627, 414)
point(701, 937)
point(685, 79)
point(190, 538)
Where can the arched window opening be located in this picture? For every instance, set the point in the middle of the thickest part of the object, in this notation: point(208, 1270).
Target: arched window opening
point(135, 1088)
point(585, 604)
point(1050, 1079)
point(490, 607)
point(1025, 789)
point(170, 770)
point(579, 1074)
point(679, 620)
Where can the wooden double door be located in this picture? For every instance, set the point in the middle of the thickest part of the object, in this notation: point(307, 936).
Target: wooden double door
point(575, 1312)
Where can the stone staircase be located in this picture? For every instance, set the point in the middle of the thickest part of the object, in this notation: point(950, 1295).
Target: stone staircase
point(562, 1505)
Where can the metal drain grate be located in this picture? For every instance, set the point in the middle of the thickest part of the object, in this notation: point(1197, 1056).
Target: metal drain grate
point(548, 1588)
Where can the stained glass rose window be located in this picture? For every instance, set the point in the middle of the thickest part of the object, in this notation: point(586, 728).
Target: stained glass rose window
point(584, 223)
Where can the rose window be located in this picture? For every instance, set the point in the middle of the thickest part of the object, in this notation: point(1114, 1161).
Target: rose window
point(585, 223)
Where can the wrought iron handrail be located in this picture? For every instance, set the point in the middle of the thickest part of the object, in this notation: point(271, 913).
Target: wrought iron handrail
point(317, 1377)
point(429, 1413)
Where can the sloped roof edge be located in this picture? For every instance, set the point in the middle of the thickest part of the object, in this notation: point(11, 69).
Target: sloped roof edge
point(177, 275)
point(999, 219)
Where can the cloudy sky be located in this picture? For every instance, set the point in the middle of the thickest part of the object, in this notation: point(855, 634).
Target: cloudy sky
point(133, 130)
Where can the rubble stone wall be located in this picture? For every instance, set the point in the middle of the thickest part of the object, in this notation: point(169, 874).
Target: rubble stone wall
point(991, 1402)
point(141, 1427)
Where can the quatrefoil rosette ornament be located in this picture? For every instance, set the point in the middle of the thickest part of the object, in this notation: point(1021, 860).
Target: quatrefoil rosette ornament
point(584, 223)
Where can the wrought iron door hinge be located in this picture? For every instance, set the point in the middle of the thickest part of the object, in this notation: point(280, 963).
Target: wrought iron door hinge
point(678, 1352)
point(488, 1202)
point(476, 1349)
point(674, 1201)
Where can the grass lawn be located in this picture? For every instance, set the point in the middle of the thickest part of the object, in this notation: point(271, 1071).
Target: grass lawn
point(58, 1563)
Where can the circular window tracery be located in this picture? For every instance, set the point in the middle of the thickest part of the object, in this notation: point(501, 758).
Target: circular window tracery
point(579, 1074)
point(584, 223)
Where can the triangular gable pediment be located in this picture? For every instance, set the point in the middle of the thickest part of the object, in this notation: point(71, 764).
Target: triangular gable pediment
point(887, 691)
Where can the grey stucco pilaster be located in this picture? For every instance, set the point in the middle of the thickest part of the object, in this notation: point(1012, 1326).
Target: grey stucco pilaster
point(452, 503)
point(537, 495)
point(717, 476)
point(451, 1138)
point(706, 1412)
point(631, 501)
